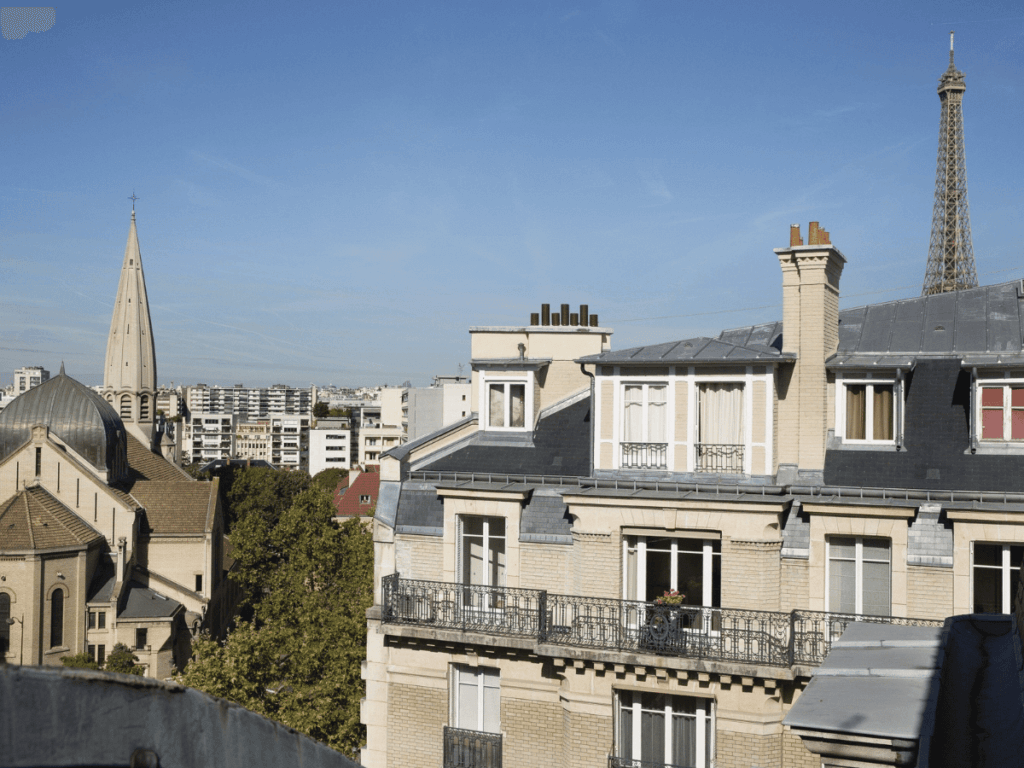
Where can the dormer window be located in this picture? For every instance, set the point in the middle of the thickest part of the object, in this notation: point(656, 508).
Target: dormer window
point(644, 441)
point(1002, 411)
point(506, 405)
point(866, 409)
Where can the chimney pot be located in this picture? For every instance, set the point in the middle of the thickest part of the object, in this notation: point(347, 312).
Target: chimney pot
point(584, 314)
point(565, 314)
point(794, 235)
point(534, 318)
point(556, 319)
point(545, 314)
point(574, 319)
point(593, 321)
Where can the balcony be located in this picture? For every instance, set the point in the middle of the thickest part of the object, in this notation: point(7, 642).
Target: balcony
point(644, 456)
point(716, 457)
point(471, 749)
point(762, 638)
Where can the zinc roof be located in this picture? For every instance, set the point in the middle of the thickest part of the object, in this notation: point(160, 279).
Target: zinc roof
point(33, 519)
point(758, 343)
point(141, 602)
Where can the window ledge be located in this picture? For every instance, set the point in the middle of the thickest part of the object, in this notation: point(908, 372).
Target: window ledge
point(838, 444)
point(999, 449)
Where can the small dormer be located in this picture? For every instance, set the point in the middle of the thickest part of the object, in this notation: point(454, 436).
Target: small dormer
point(521, 370)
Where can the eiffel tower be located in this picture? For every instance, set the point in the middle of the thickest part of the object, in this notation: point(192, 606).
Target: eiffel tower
point(950, 253)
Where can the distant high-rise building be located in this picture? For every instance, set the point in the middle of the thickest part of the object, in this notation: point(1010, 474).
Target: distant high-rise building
point(28, 377)
point(950, 252)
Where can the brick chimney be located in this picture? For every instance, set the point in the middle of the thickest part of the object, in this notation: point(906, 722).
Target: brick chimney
point(810, 329)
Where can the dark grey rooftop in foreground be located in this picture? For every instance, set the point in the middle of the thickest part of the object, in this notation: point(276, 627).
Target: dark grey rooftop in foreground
point(759, 343)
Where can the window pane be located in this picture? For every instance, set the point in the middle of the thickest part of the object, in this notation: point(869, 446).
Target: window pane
point(1016, 555)
point(1017, 424)
point(691, 577)
point(496, 562)
point(988, 554)
point(1017, 397)
point(842, 596)
point(658, 574)
point(842, 546)
point(684, 739)
point(492, 701)
point(876, 549)
point(626, 727)
point(517, 395)
point(656, 410)
point(992, 424)
point(496, 416)
point(882, 426)
point(992, 397)
point(473, 526)
point(856, 411)
point(876, 589)
point(988, 590)
point(652, 736)
point(468, 693)
point(633, 423)
point(631, 559)
point(473, 557)
point(720, 421)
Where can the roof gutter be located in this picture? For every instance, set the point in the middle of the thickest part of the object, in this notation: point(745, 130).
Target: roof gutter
point(593, 421)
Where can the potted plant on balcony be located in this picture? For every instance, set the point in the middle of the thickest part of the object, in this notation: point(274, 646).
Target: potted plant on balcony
point(664, 620)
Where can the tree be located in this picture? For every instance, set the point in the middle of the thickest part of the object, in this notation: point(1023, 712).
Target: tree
point(79, 661)
point(321, 410)
point(121, 659)
point(260, 490)
point(328, 479)
point(298, 659)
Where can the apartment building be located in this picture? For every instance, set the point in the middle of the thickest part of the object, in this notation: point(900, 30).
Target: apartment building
point(640, 557)
point(330, 445)
point(269, 424)
point(380, 426)
point(28, 377)
point(427, 409)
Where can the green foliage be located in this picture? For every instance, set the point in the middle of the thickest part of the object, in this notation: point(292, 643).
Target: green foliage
point(328, 479)
point(298, 659)
point(195, 470)
point(121, 659)
point(260, 490)
point(321, 410)
point(79, 661)
point(339, 412)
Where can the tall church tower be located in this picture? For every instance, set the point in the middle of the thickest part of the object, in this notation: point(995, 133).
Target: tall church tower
point(129, 377)
point(950, 252)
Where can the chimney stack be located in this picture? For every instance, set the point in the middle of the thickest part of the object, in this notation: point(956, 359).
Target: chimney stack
point(810, 324)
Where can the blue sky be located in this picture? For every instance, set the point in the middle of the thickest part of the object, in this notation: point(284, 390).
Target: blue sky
point(334, 192)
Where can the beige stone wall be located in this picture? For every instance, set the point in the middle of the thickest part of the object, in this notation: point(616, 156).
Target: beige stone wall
point(735, 749)
point(795, 754)
point(596, 565)
point(419, 557)
point(973, 526)
point(587, 740)
point(750, 574)
point(545, 566)
point(533, 733)
point(929, 592)
point(180, 559)
point(416, 719)
point(793, 591)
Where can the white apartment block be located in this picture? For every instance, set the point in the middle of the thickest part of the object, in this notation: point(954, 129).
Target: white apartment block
point(330, 447)
point(427, 409)
point(207, 437)
point(28, 377)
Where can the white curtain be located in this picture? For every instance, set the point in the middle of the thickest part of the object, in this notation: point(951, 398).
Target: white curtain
point(721, 414)
point(497, 405)
point(656, 412)
point(634, 406)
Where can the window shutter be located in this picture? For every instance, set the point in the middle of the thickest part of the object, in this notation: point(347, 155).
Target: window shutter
point(458, 550)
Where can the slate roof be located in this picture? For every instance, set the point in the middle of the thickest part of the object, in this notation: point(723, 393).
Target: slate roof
point(103, 579)
point(365, 484)
point(74, 413)
point(33, 519)
point(146, 465)
point(560, 446)
point(982, 325)
point(420, 509)
point(546, 519)
point(758, 343)
point(177, 506)
point(141, 602)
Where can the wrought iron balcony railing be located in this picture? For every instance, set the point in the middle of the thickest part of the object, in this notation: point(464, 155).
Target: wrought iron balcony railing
point(764, 638)
point(644, 456)
point(471, 749)
point(715, 457)
point(626, 762)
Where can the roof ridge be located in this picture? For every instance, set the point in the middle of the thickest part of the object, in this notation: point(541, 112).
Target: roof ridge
point(28, 520)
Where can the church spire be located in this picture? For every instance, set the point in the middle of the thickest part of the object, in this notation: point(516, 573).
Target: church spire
point(129, 376)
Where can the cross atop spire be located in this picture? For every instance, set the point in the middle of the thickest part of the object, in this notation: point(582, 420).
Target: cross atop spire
point(133, 198)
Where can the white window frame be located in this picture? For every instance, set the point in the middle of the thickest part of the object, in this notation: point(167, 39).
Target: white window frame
point(507, 379)
point(484, 678)
point(487, 536)
point(858, 571)
point(705, 716)
point(1007, 384)
point(708, 556)
point(869, 381)
point(644, 408)
point(1005, 567)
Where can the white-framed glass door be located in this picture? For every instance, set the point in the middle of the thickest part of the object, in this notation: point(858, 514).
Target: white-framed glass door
point(671, 730)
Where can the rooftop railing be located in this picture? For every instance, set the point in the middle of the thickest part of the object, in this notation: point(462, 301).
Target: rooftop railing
point(716, 457)
point(644, 456)
point(763, 638)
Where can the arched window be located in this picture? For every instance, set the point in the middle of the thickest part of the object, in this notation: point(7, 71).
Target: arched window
point(144, 408)
point(5, 627)
point(57, 618)
point(126, 406)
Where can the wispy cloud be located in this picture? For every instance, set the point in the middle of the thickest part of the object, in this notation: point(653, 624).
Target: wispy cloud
point(237, 170)
point(842, 110)
point(655, 185)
